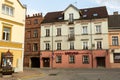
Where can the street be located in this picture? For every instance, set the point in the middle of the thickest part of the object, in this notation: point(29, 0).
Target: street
point(66, 74)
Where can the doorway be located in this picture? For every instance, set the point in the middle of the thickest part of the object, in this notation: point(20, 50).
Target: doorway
point(35, 62)
point(46, 62)
point(100, 62)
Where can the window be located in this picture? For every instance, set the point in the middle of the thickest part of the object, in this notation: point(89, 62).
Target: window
point(35, 33)
point(115, 41)
point(58, 46)
point(95, 14)
point(28, 34)
point(85, 30)
point(116, 57)
point(36, 21)
point(58, 31)
point(6, 34)
point(28, 22)
point(84, 15)
point(71, 45)
point(47, 32)
point(85, 45)
point(71, 59)
point(99, 45)
point(47, 46)
point(28, 47)
point(71, 34)
point(98, 29)
point(71, 17)
point(7, 10)
point(85, 59)
point(59, 59)
point(35, 47)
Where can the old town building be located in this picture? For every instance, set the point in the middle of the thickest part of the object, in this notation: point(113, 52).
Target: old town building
point(114, 39)
point(32, 40)
point(75, 38)
point(12, 26)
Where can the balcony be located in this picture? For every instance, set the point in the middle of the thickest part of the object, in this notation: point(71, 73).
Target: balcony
point(71, 37)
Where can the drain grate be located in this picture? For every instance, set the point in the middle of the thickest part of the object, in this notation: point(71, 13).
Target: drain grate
point(53, 74)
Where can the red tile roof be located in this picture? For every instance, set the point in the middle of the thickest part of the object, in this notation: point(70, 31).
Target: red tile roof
point(86, 13)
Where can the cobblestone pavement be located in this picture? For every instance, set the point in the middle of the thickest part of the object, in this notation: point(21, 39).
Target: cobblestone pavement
point(65, 74)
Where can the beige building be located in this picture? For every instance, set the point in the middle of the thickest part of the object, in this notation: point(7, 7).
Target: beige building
point(12, 29)
point(82, 33)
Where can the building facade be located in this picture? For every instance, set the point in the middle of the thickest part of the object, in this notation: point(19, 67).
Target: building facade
point(12, 26)
point(114, 39)
point(75, 38)
point(32, 40)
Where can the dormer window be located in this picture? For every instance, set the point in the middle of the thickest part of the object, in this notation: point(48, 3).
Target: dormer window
point(85, 10)
point(84, 16)
point(60, 18)
point(95, 14)
point(71, 19)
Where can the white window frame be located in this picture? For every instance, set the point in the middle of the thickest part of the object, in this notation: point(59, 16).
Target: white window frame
point(98, 29)
point(115, 41)
point(85, 45)
point(84, 30)
point(7, 10)
point(6, 34)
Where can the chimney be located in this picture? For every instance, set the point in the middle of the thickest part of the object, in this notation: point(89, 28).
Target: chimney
point(115, 13)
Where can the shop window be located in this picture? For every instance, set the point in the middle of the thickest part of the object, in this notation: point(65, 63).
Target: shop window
point(85, 59)
point(59, 59)
point(116, 57)
point(71, 59)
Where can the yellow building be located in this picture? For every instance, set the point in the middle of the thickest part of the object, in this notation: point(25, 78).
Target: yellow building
point(114, 39)
point(12, 28)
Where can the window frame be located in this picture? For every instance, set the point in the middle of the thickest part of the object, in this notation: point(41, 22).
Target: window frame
point(98, 29)
point(85, 59)
point(6, 35)
point(8, 10)
point(58, 31)
point(115, 41)
point(58, 58)
point(35, 47)
point(58, 45)
point(47, 33)
point(99, 44)
point(71, 59)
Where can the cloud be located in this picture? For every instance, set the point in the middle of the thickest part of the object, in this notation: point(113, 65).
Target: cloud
point(113, 5)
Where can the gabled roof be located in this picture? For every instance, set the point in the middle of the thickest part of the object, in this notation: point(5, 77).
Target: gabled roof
point(114, 22)
point(59, 16)
point(71, 6)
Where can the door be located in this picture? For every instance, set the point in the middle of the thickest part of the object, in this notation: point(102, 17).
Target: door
point(35, 62)
point(100, 61)
point(46, 62)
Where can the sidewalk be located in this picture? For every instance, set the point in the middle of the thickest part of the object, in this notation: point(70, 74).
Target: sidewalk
point(26, 74)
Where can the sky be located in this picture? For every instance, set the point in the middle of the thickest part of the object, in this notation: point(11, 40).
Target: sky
point(45, 6)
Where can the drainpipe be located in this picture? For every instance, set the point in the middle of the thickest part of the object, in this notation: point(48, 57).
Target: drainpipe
point(91, 40)
point(52, 48)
